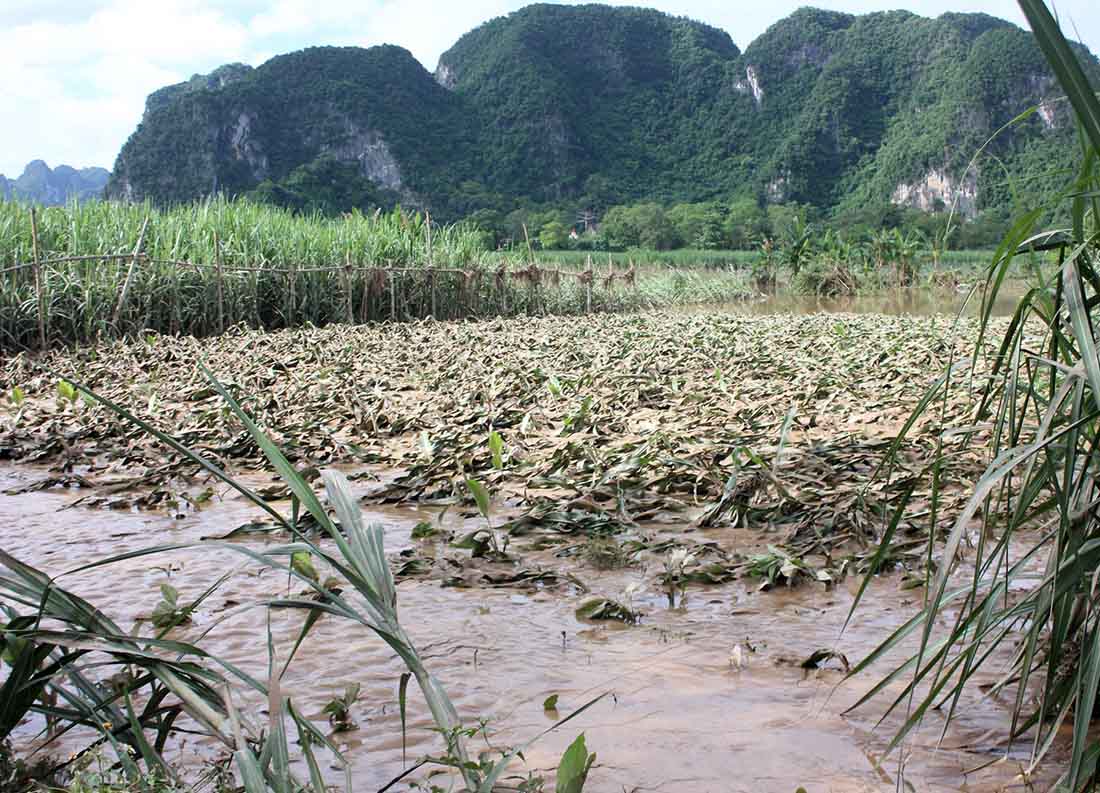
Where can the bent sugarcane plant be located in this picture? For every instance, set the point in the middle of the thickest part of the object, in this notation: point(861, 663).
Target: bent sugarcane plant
point(1040, 493)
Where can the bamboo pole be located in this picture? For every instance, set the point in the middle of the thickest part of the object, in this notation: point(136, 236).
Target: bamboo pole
point(256, 321)
point(129, 275)
point(39, 290)
point(428, 229)
point(588, 286)
point(530, 251)
point(364, 313)
point(535, 285)
point(393, 297)
point(218, 282)
point(431, 263)
point(349, 309)
point(175, 319)
point(292, 309)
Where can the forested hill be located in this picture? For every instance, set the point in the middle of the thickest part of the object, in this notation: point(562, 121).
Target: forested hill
point(593, 106)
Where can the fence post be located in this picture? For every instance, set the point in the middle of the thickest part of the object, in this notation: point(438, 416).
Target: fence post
point(39, 290)
point(428, 229)
point(393, 296)
point(129, 274)
point(218, 282)
point(173, 305)
point(256, 321)
point(364, 312)
point(347, 288)
point(588, 285)
point(431, 262)
point(293, 275)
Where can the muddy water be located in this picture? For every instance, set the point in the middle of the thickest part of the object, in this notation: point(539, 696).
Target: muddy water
point(680, 717)
point(894, 302)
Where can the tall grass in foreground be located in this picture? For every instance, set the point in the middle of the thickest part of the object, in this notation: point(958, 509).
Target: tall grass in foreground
point(115, 269)
point(1040, 492)
point(55, 644)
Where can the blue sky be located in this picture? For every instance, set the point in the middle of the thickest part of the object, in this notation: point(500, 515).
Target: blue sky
point(74, 73)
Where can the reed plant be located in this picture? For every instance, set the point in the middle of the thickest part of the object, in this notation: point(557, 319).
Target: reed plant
point(58, 645)
point(1026, 613)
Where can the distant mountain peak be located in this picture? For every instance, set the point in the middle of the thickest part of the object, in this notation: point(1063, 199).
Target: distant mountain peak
point(41, 184)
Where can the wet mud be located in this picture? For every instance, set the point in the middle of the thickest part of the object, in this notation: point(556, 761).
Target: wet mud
point(707, 694)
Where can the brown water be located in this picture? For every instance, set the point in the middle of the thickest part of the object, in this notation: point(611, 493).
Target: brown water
point(920, 302)
point(680, 718)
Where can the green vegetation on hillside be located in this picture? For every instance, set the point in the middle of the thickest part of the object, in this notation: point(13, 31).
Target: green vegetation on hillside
point(570, 108)
point(282, 124)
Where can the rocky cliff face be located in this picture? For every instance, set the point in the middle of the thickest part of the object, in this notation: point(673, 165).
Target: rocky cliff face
point(239, 130)
point(938, 191)
point(42, 185)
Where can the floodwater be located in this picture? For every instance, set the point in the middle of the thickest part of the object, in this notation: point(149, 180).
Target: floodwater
point(680, 716)
point(894, 302)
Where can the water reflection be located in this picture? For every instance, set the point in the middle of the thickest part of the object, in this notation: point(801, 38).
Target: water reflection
point(921, 302)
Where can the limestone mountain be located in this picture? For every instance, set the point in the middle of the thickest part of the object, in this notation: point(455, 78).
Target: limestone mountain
point(41, 184)
point(374, 114)
point(593, 105)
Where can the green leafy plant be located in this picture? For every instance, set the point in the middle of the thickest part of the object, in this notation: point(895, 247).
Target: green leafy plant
point(424, 530)
point(778, 567)
point(574, 767)
point(168, 613)
point(496, 450)
point(338, 709)
point(606, 609)
point(1036, 606)
point(66, 391)
point(489, 539)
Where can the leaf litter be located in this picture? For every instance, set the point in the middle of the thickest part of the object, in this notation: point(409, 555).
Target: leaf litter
point(602, 429)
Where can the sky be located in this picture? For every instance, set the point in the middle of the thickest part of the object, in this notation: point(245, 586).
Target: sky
point(74, 74)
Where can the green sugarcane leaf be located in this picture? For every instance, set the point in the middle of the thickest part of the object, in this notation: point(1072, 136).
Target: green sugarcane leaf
point(481, 496)
point(496, 448)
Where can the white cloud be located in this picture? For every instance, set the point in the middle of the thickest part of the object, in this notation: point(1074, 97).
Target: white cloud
point(166, 31)
point(286, 16)
point(78, 84)
point(427, 28)
point(75, 73)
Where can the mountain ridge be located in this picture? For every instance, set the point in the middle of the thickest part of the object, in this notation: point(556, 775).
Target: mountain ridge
point(594, 105)
point(41, 184)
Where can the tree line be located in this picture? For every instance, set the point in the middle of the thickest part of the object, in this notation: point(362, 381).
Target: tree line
point(738, 224)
